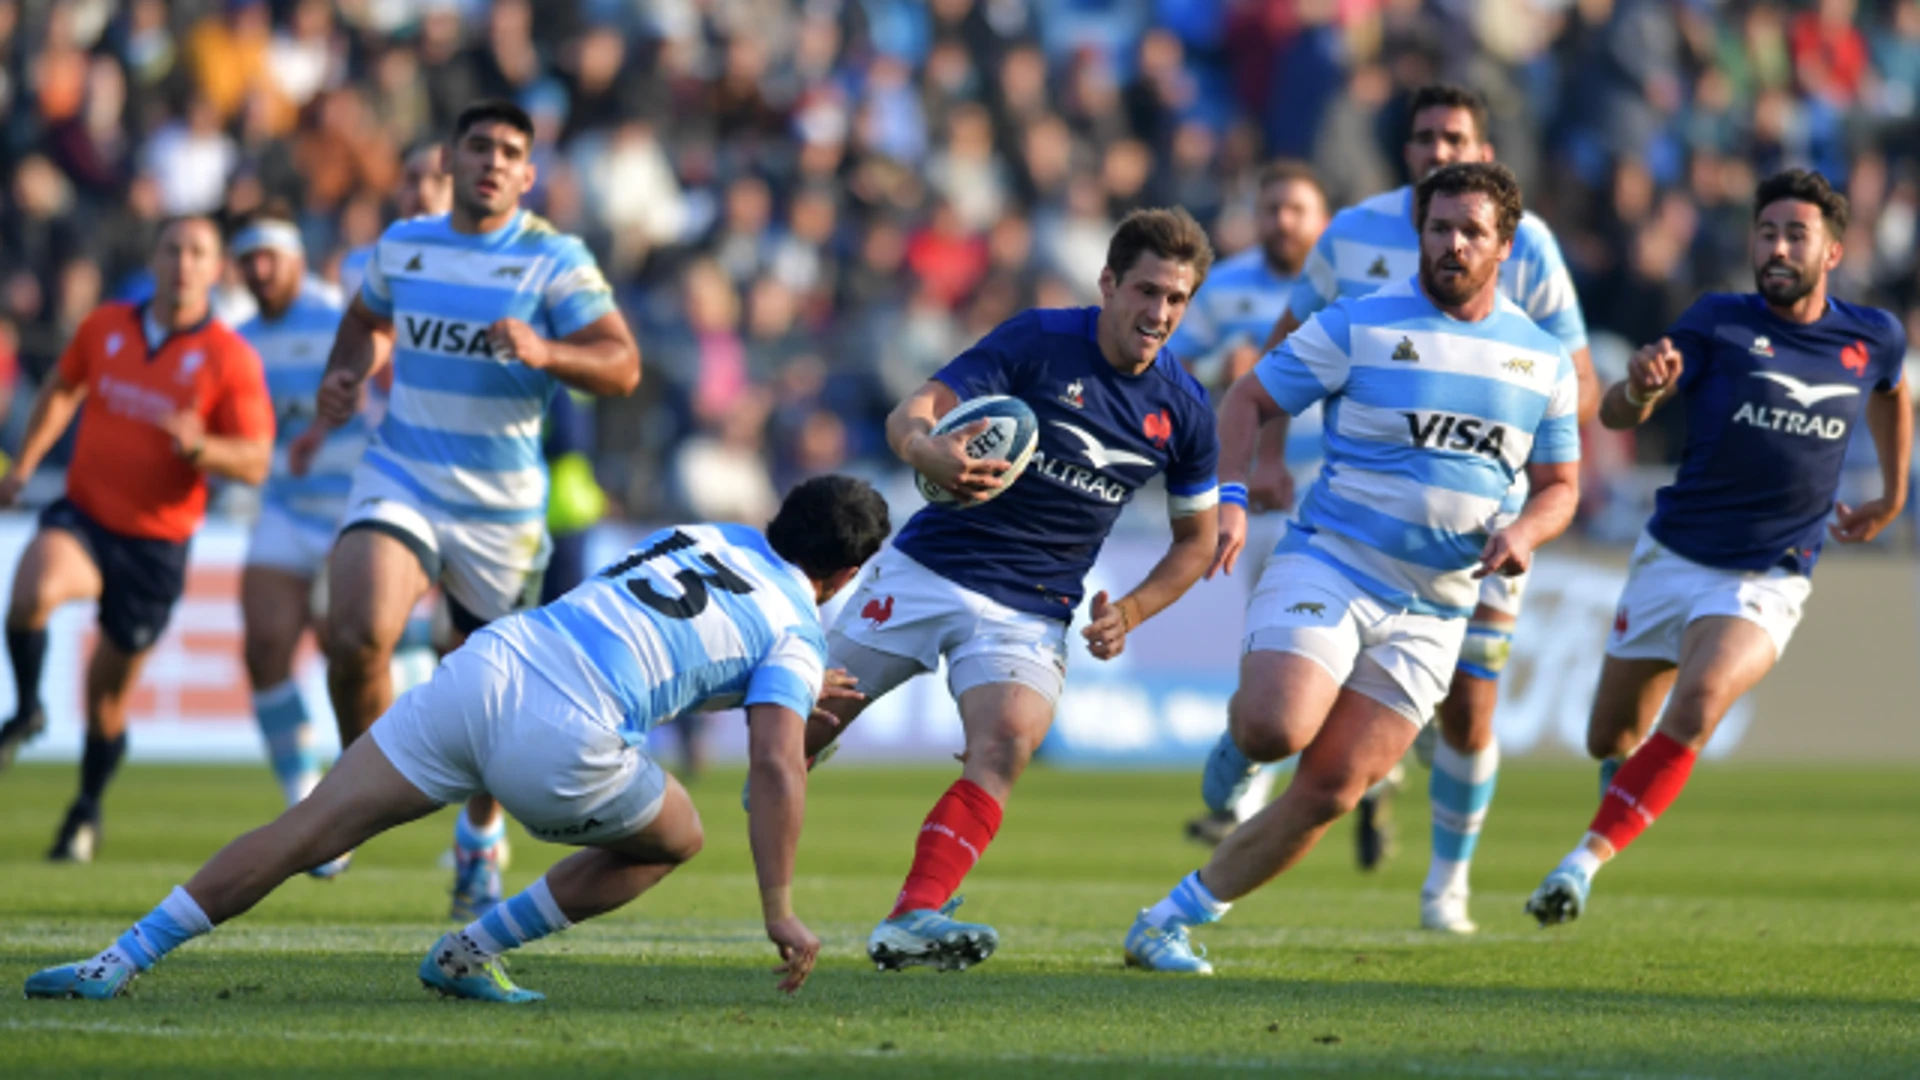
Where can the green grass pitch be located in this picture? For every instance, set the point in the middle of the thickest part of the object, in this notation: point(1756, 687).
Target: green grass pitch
point(1768, 927)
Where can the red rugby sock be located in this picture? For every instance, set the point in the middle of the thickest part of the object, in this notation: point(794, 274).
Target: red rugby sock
point(1642, 790)
point(956, 832)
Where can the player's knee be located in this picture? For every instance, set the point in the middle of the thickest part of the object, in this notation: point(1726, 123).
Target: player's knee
point(1602, 745)
point(1259, 729)
point(1693, 710)
point(269, 661)
point(352, 643)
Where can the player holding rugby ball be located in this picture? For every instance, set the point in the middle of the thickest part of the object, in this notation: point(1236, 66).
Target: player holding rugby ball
point(988, 575)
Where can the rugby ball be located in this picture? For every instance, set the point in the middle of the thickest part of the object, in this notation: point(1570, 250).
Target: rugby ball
point(1012, 435)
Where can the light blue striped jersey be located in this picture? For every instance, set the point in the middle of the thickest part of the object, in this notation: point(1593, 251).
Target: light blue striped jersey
point(462, 430)
point(1239, 303)
point(1373, 243)
point(694, 619)
point(1429, 421)
point(293, 349)
point(353, 269)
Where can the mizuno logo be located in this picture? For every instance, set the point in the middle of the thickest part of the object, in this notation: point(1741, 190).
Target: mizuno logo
point(1807, 396)
point(413, 264)
point(1379, 268)
point(1405, 351)
point(509, 271)
point(1308, 607)
point(1102, 456)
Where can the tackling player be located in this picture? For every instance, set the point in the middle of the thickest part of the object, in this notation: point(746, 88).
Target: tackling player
point(173, 397)
point(550, 710)
point(1774, 384)
point(298, 514)
point(1219, 341)
point(992, 587)
point(1438, 392)
point(1369, 245)
point(487, 309)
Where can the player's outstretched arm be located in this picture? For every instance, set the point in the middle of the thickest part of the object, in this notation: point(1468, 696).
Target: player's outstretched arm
point(1195, 537)
point(1652, 376)
point(601, 358)
point(1549, 510)
point(53, 410)
point(1890, 420)
point(777, 793)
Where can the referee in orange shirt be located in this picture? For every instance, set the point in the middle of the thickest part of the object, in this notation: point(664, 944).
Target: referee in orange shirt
point(173, 397)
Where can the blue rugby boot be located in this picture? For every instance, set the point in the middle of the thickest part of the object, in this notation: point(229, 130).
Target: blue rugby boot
point(931, 938)
point(456, 969)
point(1164, 949)
point(97, 979)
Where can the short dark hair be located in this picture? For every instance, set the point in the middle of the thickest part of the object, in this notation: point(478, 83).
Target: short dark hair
point(495, 110)
point(1449, 96)
point(1170, 234)
point(167, 223)
point(1291, 170)
point(1488, 178)
point(829, 524)
point(1807, 186)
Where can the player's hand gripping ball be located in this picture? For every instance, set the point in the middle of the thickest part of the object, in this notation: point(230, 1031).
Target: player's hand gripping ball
point(994, 428)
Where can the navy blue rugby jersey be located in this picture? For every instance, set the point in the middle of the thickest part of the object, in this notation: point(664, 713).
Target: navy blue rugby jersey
point(1770, 407)
point(1102, 436)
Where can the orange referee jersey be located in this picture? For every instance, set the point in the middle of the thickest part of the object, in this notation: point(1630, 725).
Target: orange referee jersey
point(124, 473)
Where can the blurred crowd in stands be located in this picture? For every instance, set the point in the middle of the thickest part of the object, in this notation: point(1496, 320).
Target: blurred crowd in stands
point(807, 206)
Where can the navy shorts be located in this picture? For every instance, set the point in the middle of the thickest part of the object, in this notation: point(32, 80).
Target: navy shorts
point(140, 579)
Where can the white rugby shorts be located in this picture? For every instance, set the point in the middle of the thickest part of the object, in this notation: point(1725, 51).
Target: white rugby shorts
point(911, 617)
point(488, 568)
point(281, 541)
point(486, 723)
point(1666, 591)
point(1307, 607)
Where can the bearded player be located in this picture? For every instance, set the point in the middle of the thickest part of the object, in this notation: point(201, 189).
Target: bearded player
point(1367, 246)
point(992, 587)
point(1774, 382)
point(1437, 392)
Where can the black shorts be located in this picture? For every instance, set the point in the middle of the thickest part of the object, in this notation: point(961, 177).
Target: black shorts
point(140, 580)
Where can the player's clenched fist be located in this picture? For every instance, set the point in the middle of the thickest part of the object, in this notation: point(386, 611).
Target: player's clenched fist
point(1654, 370)
point(943, 459)
point(512, 339)
point(338, 398)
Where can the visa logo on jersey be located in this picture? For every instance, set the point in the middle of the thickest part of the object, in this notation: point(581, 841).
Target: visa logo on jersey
point(1446, 431)
point(449, 337)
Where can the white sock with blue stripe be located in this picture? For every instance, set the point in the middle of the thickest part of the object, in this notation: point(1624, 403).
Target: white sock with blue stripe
point(290, 739)
point(525, 916)
point(1189, 904)
point(175, 922)
point(1461, 789)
